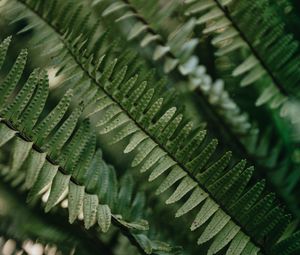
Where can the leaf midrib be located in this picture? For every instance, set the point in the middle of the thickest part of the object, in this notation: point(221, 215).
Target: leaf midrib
point(221, 122)
point(56, 30)
point(38, 149)
point(256, 54)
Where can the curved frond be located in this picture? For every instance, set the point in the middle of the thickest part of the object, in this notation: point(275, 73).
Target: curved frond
point(235, 25)
point(61, 158)
point(229, 204)
point(177, 53)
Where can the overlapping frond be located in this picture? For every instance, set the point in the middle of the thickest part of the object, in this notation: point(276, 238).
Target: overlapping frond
point(58, 154)
point(23, 223)
point(232, 214)
point(177, 51)
point(272, 53)
point(180, 46)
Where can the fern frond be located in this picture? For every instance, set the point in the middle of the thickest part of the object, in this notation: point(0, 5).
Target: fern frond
point(162, 133)
point(179, 46)
point(177, 52)
point(61, 158)
point(27, 222)
point(290, 245)
point(235, 123)
point(236, 26)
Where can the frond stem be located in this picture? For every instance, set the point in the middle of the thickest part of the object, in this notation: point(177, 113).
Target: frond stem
point(35, 147)
point(227, 14)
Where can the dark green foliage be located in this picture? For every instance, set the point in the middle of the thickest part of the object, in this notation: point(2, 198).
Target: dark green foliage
point(108, 94)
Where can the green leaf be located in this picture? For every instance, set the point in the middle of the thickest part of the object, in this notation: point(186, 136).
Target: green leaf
point(75, 147)
point(119, 120)
point(3, 49)
point(44, 180)
point(110, 112)
point(186, 152)
point(288, 245)
point(207, 210)
point(211, 15)
point(148, 38)
point(125, 131)
point(144, 242)
point(58, 188)
point(248, 199)
point(215, 171)
point(163, 121)
point(247, 65)
point(140, 225)
point(15, 108)
point(33, 110)
point(217, 223)
point(21, 151)
point(125, 194)
point(75, 200)
point(5, 134)
point(175, 175)
point(136, 30)
point(253, 76)
point(221, 186)
point(145, 148)
point(199, 6)
point(113, 7)
point(238, 244)
point(200, 161)
point(104, 217)
point(185, 186)
point(90, 205)
point(43, 129)
point(35, 161)
point(155, 155)
point(223, 237)
point(160, 51)
point(110, 196)
point(195, 199)
point(163, 165)
point(135, 140)
point(12, 78)
point(250, 249)
point(64, 132)
point(152, 111)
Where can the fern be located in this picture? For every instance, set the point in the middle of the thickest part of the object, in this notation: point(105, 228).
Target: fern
point(233, 214)
point(159, 146)
point(226, 110)
point(177, 51)
point(255, 144)
point(179, 46)
point(65, 160)
point(275, 65)
point(265, 58)
point(27, 223)
point(247, 141)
